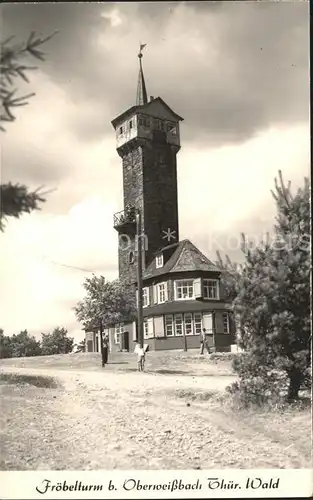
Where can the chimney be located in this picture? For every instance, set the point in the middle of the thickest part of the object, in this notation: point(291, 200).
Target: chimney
point(151, 98)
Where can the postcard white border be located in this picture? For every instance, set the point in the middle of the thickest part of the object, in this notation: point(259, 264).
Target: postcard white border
point(252, 483)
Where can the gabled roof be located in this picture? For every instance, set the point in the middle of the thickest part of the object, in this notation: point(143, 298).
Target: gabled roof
point(159, 99)
point(142, 108)
point(180, 257)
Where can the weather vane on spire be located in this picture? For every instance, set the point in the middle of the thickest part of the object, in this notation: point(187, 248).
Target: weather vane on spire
point(141, 47)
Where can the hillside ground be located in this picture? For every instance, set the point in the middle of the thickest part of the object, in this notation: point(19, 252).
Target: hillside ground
point(67, 412)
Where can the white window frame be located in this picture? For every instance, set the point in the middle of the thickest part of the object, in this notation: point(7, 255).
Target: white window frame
point(207, 285)
point(145, 297)
point(162, 294)
point(148, 328)
point(181, 318)
point(190, 315)
point(178, 283)
point(197, 323)
point(170, 323)
point(145, 329)
point(118, 329)
point(159, 261)
point(225, 315)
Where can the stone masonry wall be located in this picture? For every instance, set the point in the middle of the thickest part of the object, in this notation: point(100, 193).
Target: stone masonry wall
point(150, 184)
point(160, 195)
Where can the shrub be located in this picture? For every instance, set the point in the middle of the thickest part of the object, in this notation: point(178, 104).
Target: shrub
point(258, 384)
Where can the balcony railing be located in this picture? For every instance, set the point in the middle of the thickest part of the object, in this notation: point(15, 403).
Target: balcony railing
point(124, 218)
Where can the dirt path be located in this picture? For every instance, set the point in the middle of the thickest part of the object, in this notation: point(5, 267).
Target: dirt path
point(113, 420)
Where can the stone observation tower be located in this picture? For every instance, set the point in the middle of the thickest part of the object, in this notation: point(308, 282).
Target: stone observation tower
point(147, 140)
point(182, 291)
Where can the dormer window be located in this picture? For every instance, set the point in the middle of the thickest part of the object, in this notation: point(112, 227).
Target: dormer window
point(159, 261)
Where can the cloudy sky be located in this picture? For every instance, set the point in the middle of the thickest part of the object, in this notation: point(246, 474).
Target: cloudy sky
point(237, 73)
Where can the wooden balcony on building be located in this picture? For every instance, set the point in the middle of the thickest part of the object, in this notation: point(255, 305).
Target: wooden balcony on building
point(125, 220)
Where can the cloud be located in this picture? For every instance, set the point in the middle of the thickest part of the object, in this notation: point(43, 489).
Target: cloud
point(47, 258)
point(239, 67)
point(227, 190)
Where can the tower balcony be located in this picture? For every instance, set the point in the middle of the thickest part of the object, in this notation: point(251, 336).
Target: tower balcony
point(125, 220)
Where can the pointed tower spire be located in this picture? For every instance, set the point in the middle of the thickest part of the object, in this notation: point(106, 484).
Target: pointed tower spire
point(141, 87)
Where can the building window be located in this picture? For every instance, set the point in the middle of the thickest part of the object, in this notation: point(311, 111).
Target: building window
point(119, 328)
point(121, 130)
point(226, 326)
point(161, 288)
point(145, 329)
point(178, 320)
point(145, 297)
point(211, 289)
point(148, 328)
point(159, 260)
point(184, 290)
point(188, 324)
point(131, 258)
point(169, 331)
point(130, 124)
point(197, 319)
point(159, 125)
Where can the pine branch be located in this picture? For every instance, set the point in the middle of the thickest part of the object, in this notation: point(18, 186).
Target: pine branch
point(12, 69)
point(16, 200)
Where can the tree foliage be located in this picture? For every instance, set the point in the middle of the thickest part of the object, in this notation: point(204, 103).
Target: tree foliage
point(19, 345)
point(105, 303)
point(24, 344)
point(272, 301)
point(16, 199)
point(56, 342)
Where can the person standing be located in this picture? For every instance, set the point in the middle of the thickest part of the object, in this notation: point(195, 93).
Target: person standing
point(105, 350)
point(204, 342)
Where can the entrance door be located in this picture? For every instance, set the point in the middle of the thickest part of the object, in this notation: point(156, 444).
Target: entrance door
point(125, 341)
point(207, 323)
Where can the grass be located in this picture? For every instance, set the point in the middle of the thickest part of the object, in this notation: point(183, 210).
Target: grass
point(35, 380)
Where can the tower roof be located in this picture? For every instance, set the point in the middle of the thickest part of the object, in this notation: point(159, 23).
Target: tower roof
point(142, 97)
point(142, 103)
point(144, 108)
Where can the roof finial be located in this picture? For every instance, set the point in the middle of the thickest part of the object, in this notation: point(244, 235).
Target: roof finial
point(141, 88)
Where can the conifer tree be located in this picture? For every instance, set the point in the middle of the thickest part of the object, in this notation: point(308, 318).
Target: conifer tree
point(273, 302)
point(16, 199)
